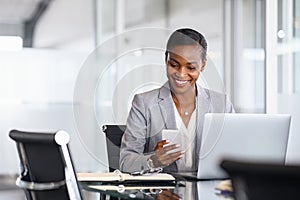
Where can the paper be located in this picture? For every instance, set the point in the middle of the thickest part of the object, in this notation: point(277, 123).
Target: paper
point(225, 186)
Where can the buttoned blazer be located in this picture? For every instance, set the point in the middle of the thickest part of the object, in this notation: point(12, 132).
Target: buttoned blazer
point(153, 111)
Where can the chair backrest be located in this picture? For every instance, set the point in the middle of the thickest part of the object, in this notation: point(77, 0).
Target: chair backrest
point(260, 181)
point(46, 166)
point(113, 135)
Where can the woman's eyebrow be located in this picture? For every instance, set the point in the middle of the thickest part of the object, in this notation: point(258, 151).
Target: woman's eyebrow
point(192, 63)
point(174, 60)
point(188, 63)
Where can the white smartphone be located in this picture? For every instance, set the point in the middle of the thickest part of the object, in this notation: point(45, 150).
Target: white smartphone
point(173, 136)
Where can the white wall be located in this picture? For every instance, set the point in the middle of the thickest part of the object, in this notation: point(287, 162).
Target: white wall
point(66, 24)
point(36, 93)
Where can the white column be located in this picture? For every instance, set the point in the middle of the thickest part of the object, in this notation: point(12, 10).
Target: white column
point(271, 56)
point(120, 16)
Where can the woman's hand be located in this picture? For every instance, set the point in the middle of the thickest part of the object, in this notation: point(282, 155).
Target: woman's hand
point(167, 195)
point(163, 156)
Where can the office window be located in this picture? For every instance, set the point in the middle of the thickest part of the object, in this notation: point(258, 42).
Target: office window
point(284, 97)
point(244, 54)
point(288, 47)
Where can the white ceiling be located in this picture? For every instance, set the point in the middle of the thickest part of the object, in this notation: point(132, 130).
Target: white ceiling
point(17, 11)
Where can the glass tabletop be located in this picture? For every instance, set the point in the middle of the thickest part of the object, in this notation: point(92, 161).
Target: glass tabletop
point(188, 190)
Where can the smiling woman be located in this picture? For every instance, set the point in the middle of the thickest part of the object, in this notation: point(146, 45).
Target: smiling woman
point(185, 59)
point(180, 104)
point(183, 70)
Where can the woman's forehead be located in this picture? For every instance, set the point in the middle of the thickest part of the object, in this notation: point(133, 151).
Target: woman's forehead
point(186, 52)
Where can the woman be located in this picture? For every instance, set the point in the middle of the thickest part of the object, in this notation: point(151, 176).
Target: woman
point(179, 104)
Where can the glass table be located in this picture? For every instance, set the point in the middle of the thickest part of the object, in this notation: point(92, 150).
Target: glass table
point(188, 190)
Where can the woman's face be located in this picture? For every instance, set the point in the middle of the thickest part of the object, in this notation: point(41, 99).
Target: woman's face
point(184, 64)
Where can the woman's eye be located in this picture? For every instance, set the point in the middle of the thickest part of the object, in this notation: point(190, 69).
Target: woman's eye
point(173, 64)
point(191, 67)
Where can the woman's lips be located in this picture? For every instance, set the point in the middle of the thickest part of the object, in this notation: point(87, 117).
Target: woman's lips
point(180, 82)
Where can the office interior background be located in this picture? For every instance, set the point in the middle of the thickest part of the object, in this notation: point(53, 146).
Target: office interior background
point(253, 44)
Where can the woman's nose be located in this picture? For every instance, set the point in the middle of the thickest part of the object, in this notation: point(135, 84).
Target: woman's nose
point(181, 71)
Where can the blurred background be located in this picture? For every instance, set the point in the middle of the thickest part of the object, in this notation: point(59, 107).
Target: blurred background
point(253, 44)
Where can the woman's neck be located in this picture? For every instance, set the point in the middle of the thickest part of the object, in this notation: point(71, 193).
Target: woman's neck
point(185, 105)
point(185, 98)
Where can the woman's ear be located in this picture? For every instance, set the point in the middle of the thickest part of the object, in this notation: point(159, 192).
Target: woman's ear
point(166, 56)
point(203, 65)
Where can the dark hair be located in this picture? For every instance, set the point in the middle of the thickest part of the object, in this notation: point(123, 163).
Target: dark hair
point(187, 36)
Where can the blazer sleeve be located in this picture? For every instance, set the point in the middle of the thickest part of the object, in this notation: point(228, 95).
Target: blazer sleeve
point(132, 157)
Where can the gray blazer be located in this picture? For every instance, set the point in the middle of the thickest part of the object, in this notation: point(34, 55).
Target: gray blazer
point(153, 111)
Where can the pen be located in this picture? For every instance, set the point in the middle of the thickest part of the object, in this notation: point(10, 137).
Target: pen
point(225, 193)
point(146, 172)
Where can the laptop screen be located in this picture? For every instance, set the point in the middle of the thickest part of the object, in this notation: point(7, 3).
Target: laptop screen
point(243, 137)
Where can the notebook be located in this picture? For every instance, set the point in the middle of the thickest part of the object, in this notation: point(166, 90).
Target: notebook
point(243, 137)
point(118, 176)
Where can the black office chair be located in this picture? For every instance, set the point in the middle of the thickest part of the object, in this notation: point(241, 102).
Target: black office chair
point(113, 135)
point(258, 181)
point(46, 166)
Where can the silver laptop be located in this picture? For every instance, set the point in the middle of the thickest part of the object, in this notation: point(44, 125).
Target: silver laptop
point(243, 137)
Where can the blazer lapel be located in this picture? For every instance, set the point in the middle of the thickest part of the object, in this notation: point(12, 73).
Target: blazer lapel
point(203, 107)
point(166, 107)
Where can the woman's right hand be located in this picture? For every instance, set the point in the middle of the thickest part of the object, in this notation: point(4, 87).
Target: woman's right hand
point(167, 195)
point(163, 157)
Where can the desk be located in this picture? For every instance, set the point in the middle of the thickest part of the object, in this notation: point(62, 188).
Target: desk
point(186, 190)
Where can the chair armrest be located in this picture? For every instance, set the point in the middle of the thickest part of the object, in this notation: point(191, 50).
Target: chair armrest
point(39, 186)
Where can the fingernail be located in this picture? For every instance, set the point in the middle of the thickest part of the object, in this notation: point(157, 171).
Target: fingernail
point(177, 145)
point(167, 141)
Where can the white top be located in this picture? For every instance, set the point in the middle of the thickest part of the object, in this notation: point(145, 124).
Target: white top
point(187, 142)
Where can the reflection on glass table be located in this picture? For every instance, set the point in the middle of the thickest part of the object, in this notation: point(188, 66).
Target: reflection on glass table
point(184, 190)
